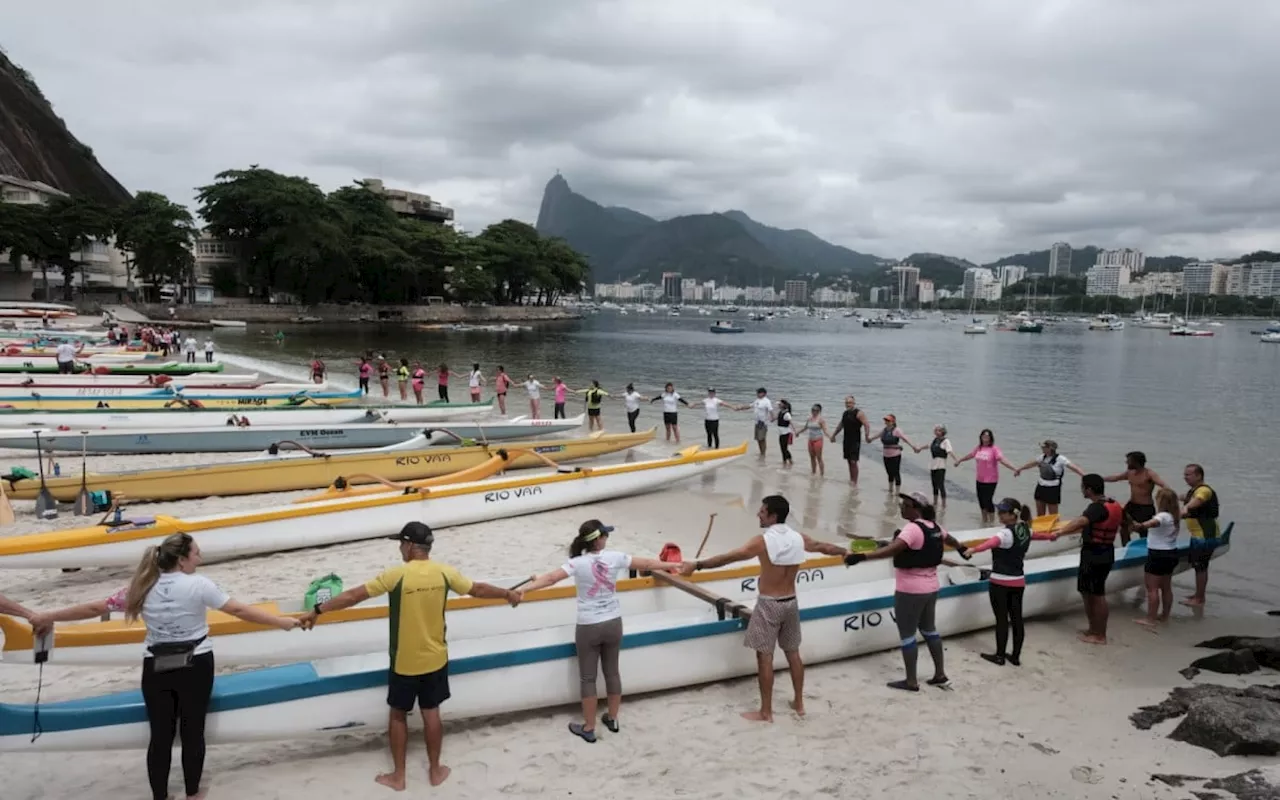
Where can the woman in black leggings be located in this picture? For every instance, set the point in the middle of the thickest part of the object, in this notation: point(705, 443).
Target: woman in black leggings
point(177, 672)
point(1008, 550)
point(785, 432)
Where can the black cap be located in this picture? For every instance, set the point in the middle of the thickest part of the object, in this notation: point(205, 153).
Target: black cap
point(415, 533)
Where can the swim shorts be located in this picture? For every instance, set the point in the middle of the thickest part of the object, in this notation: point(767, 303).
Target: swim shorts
point(1161, 562)
point(774, 622)
point(1095, 566)
point(762, 431)
point(428, 690)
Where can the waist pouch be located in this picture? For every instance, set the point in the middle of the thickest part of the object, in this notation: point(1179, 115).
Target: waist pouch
point(172, 656)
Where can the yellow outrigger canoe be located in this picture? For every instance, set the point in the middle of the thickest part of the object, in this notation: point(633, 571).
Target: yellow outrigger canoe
point(291, 473)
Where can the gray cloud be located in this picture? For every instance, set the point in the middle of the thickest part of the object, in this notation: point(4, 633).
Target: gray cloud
point(976, 128)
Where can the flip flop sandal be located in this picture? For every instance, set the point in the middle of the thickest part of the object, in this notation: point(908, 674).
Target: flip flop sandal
point(577, 730)
point(610, 723)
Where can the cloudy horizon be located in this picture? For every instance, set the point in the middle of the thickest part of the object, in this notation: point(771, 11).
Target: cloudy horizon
point(976, 130)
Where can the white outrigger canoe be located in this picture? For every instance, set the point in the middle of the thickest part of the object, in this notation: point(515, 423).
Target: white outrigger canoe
point(90, 379)
point(363, 630)
point(523, 666)
point(186, 418)
point(288, 527)
point(252, 438)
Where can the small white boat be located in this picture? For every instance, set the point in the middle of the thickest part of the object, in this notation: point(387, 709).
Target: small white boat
point(351, 519)
point(1273, 338)
point(228, 323)
point(1106, 322)
point(975, 329)
point(1157, 322)
point(505, 660)
point(889, 321)
point(1186, 330)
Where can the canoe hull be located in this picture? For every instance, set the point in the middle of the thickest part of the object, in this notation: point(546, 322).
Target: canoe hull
point(142, 382)
point(364, 630)
point(536, 668)
point(123, 368)
point(101, 399)
point(291, 527)
point(274, 474)
point(228, 439)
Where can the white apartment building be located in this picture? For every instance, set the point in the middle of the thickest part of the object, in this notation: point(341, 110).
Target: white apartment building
point(1264, 280)
point(410, 204)
point(981, 283)
point(1152, 284)
point(1134, 260)
point(1109, 280)
point(101, 266)
point(1237, 282)
point(1059, 259)
point(925, 288)
point(907, 279)
point(1204, 278)
point(1009, 274)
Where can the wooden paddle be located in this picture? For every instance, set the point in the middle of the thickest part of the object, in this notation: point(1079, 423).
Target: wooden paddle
point(6, 508)
point(46, 506)
point(84, 505)
point(705, 536)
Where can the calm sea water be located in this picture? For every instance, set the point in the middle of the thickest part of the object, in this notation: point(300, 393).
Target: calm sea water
point(1099, 394)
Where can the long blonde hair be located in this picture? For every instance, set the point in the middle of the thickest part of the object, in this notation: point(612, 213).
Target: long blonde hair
point(1167, 501)
point(164, 557)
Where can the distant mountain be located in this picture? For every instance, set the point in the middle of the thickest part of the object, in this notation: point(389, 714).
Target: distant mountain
point(35, 144)
point(622, 244)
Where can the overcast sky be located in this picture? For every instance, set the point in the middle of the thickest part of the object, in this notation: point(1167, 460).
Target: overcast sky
point(975, 128)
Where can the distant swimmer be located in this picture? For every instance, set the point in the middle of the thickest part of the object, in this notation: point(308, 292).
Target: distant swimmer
point(1142, 483)
point(776, 619)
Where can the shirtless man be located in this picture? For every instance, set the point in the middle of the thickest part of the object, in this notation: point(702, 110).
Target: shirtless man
point(1142, 484)
point(776, 619)
point(852, 422)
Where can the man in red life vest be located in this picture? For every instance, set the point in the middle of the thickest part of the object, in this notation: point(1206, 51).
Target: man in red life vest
point(1099, 526)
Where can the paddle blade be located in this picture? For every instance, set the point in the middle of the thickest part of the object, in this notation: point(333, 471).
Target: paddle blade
point(7, 516)
point(46, 506)
point(84, 504)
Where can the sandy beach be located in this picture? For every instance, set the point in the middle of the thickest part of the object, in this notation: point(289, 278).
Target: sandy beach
point(1056, 727)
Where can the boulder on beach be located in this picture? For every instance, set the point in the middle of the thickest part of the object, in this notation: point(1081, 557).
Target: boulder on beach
point(1223, 719)
point(1265, 650)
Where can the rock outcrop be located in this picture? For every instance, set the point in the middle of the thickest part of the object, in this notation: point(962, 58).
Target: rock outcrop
point(1223, 719)
point(35, 144)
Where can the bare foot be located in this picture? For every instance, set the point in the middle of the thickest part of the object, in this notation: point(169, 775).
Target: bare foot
point(391, 781)
point(797, 706)
point(438, 775)
point(1090, 638)
point(1149, 624)
point(1193, 602)
point(200, 795)
point(756, 716)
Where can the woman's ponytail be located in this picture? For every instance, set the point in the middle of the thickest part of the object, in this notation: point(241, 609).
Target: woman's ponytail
point(160, 558)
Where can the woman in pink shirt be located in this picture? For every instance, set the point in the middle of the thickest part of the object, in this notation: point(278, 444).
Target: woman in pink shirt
point(442, 379)
point(419, 381)
point(366, 372)
point(916, 551)
point(561, 391)
point(502, 382)
point(987, 459)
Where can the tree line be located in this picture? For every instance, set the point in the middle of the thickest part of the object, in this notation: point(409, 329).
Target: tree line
point(344, 246)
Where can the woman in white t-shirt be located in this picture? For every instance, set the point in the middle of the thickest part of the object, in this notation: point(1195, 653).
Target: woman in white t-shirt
point(711, 405)
point(535, 395)
point(631, 399)
point(671, 402)
point(177, 669)
point(598, 638)
point(1162, 556)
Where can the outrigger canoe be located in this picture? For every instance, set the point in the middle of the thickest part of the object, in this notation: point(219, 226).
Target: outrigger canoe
point(9, 364)
point(88, 379)
point(257, 438)
point(185, 418)
point(162, 398)
point(288, 527)
point(314, 471)
point(124, 385)
point(362, 630)
point(527, 666)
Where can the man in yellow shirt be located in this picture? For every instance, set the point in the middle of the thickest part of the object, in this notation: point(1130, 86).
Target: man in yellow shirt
point(417, 591)
point(1200, 510)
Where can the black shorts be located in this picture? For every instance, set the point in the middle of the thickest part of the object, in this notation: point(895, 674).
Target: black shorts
point(1161, 562)
point(1095, 566)
point(1138, 512)
point(1201, 553)
point(852, 448)
point(593, 412)
point(670, 418)
point(428, 691)
point(1049, 495)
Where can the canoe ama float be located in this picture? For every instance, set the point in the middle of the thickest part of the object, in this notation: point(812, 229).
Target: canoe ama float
point(532, 668)
point(362, 630)
point(289, 527)
point(259, 438)
point(128, 368)
point(280, 474)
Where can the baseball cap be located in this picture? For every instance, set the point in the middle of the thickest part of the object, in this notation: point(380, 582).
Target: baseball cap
point(921, 499)
point(593, 529)
point(1005, 507)
point(415, 533)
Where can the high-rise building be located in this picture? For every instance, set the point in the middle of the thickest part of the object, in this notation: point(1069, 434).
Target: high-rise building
point(1264, 279)
point(925, 288)
point(1204, 278)
point(1107, 279)
point(1124, 257)
point(979, 283)
point(908, 279)
point(1059, 259)
point(1237, 281)
point(1011, 274)
point(796, 292)
point(671, 285)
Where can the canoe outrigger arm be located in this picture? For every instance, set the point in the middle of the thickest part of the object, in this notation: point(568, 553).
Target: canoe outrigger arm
point(724, 606)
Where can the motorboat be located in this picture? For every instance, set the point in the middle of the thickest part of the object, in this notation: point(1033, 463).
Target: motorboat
point(727, 327)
